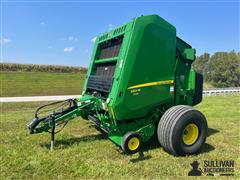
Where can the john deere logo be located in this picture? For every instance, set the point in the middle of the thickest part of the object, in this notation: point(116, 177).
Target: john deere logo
point(196, 171)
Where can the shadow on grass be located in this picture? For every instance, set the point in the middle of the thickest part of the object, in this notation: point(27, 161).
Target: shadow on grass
point(212, 131)
point(141, 157)
point(62, 144)
point(150, 145)
point(206, 148)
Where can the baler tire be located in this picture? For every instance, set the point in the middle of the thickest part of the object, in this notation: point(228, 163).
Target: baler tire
point(126, 141)
point(182, 130)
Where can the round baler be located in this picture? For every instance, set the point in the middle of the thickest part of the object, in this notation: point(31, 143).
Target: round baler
point(140, 82)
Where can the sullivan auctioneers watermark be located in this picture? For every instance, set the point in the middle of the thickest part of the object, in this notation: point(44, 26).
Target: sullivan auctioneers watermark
point(212, 168)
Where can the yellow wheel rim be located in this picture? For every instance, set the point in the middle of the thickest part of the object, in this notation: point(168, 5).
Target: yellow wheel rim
point(190, 134)
point(133, 143)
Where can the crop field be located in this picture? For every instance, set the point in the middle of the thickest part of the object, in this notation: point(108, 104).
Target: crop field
point(82, 152)
point(40, 83)
point(15, 67)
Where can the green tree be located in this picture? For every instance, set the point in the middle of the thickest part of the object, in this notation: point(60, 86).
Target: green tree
point(201, 62)
point(223, 69)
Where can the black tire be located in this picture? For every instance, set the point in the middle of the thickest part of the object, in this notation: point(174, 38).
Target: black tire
point(126, 140)
point(172, 126)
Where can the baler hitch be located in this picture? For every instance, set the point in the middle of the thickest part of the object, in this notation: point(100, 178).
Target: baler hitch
point(60, 113)
point(57, 111)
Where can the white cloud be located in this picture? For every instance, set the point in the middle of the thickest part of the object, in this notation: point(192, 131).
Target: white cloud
point(93, 39)
point(70, 38)
point(5, 40)
point(42, 23)
point(68, 49)
point(110, 26)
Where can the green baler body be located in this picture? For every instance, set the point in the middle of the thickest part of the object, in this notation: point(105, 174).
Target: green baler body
point(137, 72)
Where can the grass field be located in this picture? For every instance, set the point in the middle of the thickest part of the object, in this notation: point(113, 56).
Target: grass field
point(40, 83)
point(15, 84)
point(82, 152)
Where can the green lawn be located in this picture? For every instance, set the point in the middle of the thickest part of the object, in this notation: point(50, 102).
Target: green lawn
point(82, 152)
point(40, 83)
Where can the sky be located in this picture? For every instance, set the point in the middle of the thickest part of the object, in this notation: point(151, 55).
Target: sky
point(62, 32)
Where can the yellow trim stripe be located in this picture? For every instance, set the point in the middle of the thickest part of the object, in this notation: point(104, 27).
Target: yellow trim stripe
point(113, 116)
point(151, 84)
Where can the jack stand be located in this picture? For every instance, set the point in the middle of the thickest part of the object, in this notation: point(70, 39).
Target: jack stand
point(52, 133)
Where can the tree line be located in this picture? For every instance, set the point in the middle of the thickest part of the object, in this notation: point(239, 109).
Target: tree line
point(222, 69)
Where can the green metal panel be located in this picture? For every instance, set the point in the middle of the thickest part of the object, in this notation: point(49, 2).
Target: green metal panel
point(150, 58)
point(147, 55)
